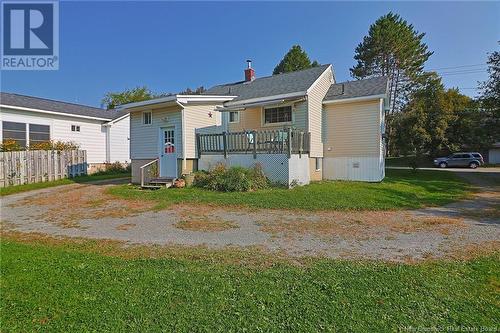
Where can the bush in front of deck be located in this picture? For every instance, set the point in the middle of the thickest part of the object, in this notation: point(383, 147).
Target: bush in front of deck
point(233, 179)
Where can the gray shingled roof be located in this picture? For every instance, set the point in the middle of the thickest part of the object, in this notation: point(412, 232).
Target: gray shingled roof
point(360, 88)
point(57, 106)
point(270, 85)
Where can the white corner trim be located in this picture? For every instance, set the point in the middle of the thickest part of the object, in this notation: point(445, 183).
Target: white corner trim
point(354, 99)
point(315, 83)
point(52, 112)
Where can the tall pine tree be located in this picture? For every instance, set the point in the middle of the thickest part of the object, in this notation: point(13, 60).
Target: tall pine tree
point(392, 48)
point(295, 60)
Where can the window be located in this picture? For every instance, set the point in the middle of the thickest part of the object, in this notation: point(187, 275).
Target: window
point(234, 117)
point(39, 133)
point(14, 131)
point(318, 163)
point(75, 128)
point(147, 118)
point(282, 114)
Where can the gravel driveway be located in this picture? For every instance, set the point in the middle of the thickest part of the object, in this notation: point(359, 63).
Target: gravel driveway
point(86, 210)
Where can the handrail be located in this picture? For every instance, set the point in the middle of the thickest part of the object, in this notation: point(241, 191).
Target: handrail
point(285, 141)
point(144, 166)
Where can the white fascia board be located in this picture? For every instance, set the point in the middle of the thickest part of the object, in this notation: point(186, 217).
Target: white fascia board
point(148, 102)
point(355, 99)
point(117, 119)
point(203, 98)
point(178, 98)
point(319, 78)
point(52, 112)
point(267, 98)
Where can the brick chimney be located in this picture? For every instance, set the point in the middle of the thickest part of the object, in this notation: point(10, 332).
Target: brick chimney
point(249, 72)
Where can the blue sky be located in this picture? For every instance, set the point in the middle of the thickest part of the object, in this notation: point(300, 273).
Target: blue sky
point(168, 46)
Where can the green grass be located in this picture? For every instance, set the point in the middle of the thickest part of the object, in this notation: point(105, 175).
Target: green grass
point(405, 161)
point(81, 179)
point(400, 189)
point(60, 289)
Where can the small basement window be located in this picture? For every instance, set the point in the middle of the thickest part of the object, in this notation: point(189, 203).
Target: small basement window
point(75, 128)
point(147, 118)
point(234, 117)
point(282, 114)
point(318, 163)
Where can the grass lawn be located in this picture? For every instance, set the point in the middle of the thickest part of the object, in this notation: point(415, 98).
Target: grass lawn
point(405, 161)
point(62, 288)
point(81, 179)
point(400, 189)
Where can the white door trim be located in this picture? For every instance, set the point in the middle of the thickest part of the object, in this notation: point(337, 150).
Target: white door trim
point(161, 151)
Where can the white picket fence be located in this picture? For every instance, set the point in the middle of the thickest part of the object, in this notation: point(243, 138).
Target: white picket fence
point(35, 166)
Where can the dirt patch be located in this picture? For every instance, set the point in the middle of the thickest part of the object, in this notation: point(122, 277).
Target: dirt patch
point(66, 207)
point(360, 225)
point(126, 226)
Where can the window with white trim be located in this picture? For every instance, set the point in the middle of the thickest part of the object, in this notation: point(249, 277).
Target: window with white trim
point(147, 118)
point(75, 128)
point(234, 116)
point(281, 114)
point(39, 133)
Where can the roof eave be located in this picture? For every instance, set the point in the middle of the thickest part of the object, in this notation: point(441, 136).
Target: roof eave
point(267, 98)
point(22, 108)
point(177, 98)
point(355, 99)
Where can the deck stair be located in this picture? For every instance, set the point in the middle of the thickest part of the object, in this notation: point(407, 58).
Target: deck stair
point(159, 182)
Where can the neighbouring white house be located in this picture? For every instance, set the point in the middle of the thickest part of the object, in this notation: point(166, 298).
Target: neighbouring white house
point(494, 153)
point(300, 126)
point(103, 134)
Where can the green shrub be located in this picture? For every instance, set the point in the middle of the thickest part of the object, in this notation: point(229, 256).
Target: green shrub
point(234, 179)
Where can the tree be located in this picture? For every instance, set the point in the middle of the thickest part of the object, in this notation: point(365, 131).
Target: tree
point(490, 89)
point(112, 99)
point(197, 91)
point(295, 60)
point(392, 48)
point(434, 119)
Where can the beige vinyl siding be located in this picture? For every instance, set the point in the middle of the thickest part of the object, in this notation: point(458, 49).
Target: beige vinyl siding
point(252, 119)
point(353, 129)
point(144, 139)
point(315, 109)
point(197, 119)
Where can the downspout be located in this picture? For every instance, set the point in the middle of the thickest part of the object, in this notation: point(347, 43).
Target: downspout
point(183, 134)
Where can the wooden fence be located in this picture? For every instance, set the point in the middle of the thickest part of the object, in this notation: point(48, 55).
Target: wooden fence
point(254, 142)
point(35, 166)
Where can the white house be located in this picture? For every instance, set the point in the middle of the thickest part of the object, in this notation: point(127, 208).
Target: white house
point(104, 134)
point(299, 126)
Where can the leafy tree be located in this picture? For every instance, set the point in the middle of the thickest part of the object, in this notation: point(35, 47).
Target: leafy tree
point(138, 94)
point(490, 89)
point(489, 103)
point(196, 91)
point(295, 59)
point(392, 48)
point(434, 119)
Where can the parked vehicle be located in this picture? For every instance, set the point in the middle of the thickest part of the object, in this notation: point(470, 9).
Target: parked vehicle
point(470, 160)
